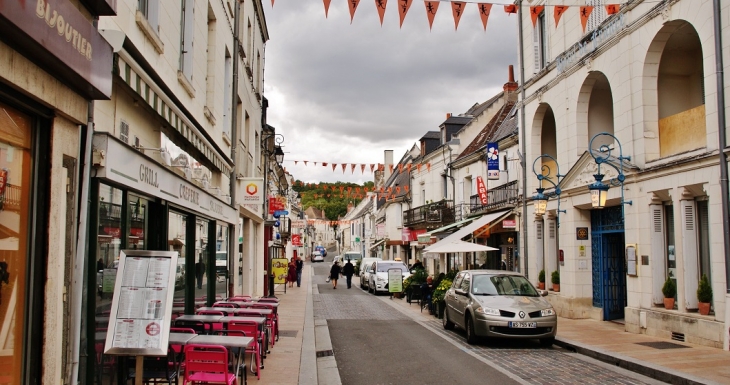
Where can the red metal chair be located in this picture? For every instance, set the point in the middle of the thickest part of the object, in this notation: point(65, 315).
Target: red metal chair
point(242, 368)
point(251, 329)
point(207, 364)
point(216, 325)
point(269, 300)
point(272, 321)
point(232, 305)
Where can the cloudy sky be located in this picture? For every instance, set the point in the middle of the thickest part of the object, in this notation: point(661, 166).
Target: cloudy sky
point(344, 93)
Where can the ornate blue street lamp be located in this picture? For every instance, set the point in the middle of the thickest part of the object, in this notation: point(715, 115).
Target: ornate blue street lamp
point(546, 174)
point(599, 189)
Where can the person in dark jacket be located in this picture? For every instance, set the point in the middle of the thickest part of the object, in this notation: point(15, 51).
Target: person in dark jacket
point(300, 266)
point(334, 274)
point(348, 271)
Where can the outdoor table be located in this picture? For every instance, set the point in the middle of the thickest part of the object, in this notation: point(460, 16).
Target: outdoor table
point(180, 338)
point(224, 310)
point(209, 320)
point(260, 321)
point(230, 342)
point(262, 312)
point(274, 318)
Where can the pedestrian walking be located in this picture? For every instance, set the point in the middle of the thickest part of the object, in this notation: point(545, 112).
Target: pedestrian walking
point(300, 266)
point(100, 264)
point(348, 270)
point(291, 273)
point(199, 272)
point(335, 273)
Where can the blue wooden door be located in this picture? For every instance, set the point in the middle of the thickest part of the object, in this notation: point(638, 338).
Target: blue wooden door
point(609, 267)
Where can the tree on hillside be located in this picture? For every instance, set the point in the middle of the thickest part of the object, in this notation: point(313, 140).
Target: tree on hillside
point(333, 198)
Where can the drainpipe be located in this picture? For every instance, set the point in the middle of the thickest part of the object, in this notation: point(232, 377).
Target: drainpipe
point(233, 235)
point(523, 144)
point(77, 276)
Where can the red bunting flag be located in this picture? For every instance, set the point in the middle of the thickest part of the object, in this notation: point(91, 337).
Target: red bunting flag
point(342, 188)
point(352, 168)
point(403, 6)
point(352, 4)
point(382, 190)
point(326, 7)
point(558, 11)
point(390, 190)
point(510, 8)
point(585, 12)
point(534, 13)
point(296, 162)
point(418, 167)
point(409, 167)
point(334, 166)
point(612, 9)
point(372, 167)
point(484, 9)
point(390, 168)
point(343, 165)
point(397, 189)
point(431, 8)
point(357, 190)
point(324, 164)
point(381, 167)
point(380, 5)
point(305, 162)
point(349, 188)
point(457, 9)
point(400, 168)
point(272, 3)
point(428, 167)
point(406, 187)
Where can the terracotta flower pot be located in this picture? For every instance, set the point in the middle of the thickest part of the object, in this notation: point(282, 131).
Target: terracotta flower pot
point(704, 308)
point(541, 285)
point(556, 287)
point(669, 303)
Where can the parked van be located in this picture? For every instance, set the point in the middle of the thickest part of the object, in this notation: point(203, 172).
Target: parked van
point(366, 262)
point(353, 256)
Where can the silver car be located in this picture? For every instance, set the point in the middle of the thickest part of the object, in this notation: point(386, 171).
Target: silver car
point(498, 303)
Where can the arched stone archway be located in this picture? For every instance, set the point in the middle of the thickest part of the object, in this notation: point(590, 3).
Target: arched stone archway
point(544, 133)
point(594, 111)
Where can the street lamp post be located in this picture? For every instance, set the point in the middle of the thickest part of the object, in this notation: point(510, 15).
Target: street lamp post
point(599, 189)
point(278, 155)
point(546, 174)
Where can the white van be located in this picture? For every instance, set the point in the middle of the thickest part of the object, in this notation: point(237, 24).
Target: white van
point(353, 256)
point(366, 262)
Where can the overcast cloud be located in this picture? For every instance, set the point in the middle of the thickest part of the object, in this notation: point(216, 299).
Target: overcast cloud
point(344, 93)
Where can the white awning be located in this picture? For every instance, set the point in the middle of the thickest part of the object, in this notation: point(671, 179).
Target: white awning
point(476, 225)
point(376, 244)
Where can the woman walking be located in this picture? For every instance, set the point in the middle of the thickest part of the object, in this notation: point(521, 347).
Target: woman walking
point(291, 275)
point(334, 274)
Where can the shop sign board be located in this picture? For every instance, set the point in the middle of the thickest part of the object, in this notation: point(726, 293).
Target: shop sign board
point(253, 191)
point(395, 280)
point(279, 267)
point(482, 190)
point(492, 161)
point(140, 316)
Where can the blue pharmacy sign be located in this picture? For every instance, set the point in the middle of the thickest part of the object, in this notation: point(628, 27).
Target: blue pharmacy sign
point(492, 161)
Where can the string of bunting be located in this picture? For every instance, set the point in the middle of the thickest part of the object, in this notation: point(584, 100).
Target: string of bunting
point(356, 192)
point(458, 7)
point(380, 167)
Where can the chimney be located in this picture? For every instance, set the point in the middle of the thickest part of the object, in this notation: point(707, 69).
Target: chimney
point(388, 162)
point(511, 86)
point(448, 115)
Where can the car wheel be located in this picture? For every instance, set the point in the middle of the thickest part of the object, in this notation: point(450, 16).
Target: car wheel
point(547, 342)
point(471, 336)
point(448, 325)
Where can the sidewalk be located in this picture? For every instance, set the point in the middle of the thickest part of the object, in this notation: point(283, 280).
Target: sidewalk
point(669, 361)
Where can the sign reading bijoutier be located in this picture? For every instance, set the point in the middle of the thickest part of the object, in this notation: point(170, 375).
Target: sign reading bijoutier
point(140, 316)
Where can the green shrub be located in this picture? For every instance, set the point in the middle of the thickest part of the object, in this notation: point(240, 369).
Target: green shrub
point(438, 294)
point(555, 277)
point(704, 290)
point(669, 289)
point(541, 276)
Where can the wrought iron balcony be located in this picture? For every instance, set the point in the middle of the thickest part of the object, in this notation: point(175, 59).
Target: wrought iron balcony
point(431, 215)
point(505, 195)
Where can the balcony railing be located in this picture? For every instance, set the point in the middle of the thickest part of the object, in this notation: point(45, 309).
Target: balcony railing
point(437, 214)
point(10, 199)
point(498, 197)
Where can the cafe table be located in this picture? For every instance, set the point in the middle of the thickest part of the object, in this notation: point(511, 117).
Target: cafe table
point(208, 320)
point(261, 312)
point(260, 322)
point(230, 342)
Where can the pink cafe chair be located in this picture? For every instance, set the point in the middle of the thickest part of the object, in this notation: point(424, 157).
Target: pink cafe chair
point(207, 364)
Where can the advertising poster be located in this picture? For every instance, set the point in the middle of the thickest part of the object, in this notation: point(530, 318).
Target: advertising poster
point(279, 267)
point(492, 161)
point(395, 280)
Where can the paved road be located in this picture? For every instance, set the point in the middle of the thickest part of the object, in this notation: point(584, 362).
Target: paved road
point(375, 342)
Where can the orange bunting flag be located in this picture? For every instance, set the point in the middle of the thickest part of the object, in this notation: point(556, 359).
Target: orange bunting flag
point(381, 167)
point(406, 187)
point(353, 7)
point(403, 6)
point(409, 167)
point(295, 162)
point(585, 12)
point(272, 3)
point(390, 168)
point(342, 188)
point(352, 168)
point(372, 167)
point(357, 190)
point(362, 168)
point(418, 167)
point(397, 189)
point(328, 195)
point(349, 188)
point(558, 11)
point(484, 9)
point(510, 8)
point(382, 190)
point(428, 167)
point(457, 9)
point(334, 166)
point(534, 13)
point(380, 5)
point(612, 9)
point(431, 8)
point(390, 190)
point(343, 165)
point(326, 7)
point(324, 164)
point(400, 168)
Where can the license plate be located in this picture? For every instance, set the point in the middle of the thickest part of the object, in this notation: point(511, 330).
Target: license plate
point(523, 325)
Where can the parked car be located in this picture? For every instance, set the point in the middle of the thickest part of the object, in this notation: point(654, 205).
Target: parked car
point(321, 249)
point(498, 303)
point(353, 256)
point(317, 256)
point(378, 280)
point(365, 266)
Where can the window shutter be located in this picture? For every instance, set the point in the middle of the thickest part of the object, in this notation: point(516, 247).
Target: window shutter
point(536, 49)
point(538, 232)
point(551, 228)
point(658, 261)
point(124, 131)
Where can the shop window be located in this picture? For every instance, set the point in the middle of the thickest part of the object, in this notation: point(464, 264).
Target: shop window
point(137, 233)
point(540, 43)
point(222, 260)
point(15, 193)
point(176, 232)
point(202, 261)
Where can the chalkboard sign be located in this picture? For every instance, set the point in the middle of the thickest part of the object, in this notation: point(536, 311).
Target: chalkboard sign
point(139, 321)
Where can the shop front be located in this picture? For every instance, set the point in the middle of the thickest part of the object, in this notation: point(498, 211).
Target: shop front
point(138, 204)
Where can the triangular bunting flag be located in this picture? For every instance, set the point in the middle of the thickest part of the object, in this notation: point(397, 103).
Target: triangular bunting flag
point(272, 3)
point(428, 167)
point(315, 163)
point(343, 165)
point(457, 9)
point(334, 166)
point(353, 7)
point(484, 9)
point(362, 168)
point(409, 167)
point(510, 8)
point(397, 189)
point(349, 188)
point(357, 190)
point(406, 187)
point(403, 6)
point(352, 168)
point(390, 190)
point(612, 9)
point(558, 11)
point(418, 167)
point(585, 12)
point(324, 164)
point(372, 167)
point(295, 162)
point(305, 162)
point(342, 188)
point(400, 168)
point(326, 7)
point(431, 8)
point(380, 5)
point(534, 13)
point(390, 168)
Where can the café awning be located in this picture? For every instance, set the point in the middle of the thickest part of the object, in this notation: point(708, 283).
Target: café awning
point(484, 220)
point(376, 244)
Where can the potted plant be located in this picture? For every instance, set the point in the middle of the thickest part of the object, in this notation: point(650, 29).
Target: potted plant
point(438, 296)
point(704, 295)
point(670, 291)
point(541, 280)
point(555, 279)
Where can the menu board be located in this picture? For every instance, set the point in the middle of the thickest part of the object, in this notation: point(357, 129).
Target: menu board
point(139, 322)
